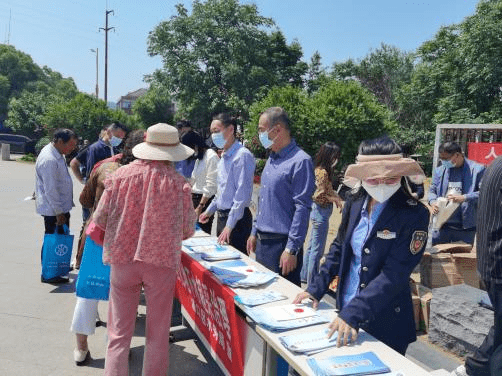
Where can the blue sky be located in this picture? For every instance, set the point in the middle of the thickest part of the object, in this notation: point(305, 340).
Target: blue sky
point(60, 33)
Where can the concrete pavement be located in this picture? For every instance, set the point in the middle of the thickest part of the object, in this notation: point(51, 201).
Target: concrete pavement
point(36, 317)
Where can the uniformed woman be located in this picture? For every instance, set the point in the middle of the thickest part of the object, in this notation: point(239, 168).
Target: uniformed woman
point(380, 241)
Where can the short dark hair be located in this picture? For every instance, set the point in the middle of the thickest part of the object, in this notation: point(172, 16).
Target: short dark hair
point(63, 134)
point(134, 138)
point(277, 115)
point(183, 124)
point(379, 146)
point(450, 148)
point(116, 125)
point(226, 119)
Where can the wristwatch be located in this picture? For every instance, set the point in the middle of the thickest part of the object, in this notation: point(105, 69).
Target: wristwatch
point(291, 252)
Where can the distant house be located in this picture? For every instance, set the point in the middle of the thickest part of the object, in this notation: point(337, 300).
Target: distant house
point(125, 102)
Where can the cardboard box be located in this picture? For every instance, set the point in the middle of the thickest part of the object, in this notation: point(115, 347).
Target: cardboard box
point(425, 295)
point(466, 265)
point(416, 311)
point(452, 248)
point(439, 270)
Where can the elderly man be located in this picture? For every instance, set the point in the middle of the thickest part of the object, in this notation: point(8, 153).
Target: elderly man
point(287, 185)
point(458, 179)
point(54, 187)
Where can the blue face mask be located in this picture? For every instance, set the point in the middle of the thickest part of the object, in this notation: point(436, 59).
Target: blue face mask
point(115, 141)
point(447, 163)
point(264, 140)
point(218, 140)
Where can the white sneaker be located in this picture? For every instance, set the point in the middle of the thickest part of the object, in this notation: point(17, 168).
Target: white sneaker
point(459, 371)
point(81, 357)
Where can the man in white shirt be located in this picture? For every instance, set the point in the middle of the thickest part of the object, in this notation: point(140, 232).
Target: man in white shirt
point(54, 187)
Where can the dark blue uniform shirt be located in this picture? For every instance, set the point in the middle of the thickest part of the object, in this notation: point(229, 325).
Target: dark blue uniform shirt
point(392, 249)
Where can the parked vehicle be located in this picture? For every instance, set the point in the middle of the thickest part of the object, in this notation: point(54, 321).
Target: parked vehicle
point(18, 143)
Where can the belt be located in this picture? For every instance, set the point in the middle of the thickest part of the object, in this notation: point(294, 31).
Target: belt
point(270, 236)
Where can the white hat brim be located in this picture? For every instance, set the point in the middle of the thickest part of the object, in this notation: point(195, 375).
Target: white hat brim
point(148, 151)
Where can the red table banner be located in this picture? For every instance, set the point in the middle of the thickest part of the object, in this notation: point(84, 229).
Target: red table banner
point(211, 306)
point(484, 152)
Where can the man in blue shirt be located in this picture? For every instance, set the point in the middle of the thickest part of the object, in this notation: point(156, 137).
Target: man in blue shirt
point(104, 148)
point(287, 186)
point(458, 179)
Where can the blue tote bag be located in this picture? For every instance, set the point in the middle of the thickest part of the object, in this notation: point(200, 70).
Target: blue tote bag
point(56, 254)
point(93, 280)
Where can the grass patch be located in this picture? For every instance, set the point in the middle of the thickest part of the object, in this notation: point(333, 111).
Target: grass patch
point(28, 158)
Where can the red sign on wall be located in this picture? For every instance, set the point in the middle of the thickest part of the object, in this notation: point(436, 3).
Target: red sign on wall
point(484, 152)
point(211, 306)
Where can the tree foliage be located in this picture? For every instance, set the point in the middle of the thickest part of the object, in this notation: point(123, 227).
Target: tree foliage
point(222, 55)
point(340, 111)
point(156, 106)
point(84, 114)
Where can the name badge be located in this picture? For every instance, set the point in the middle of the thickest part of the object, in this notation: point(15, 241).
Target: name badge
point(386, 234)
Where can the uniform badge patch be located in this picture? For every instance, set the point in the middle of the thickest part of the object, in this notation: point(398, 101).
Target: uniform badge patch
point(412, 202)
point(386, 234)
point(418, 240)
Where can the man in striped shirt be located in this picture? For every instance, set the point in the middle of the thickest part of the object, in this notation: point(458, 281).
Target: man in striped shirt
point(489, 255)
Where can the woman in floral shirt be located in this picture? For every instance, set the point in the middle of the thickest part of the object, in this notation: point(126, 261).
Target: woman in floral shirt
point(146, 211)
point(324, 197)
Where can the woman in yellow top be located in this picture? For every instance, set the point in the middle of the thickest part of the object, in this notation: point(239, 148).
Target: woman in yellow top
point(324, 197)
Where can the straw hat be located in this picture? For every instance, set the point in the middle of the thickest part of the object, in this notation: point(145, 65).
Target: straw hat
point(162, 144)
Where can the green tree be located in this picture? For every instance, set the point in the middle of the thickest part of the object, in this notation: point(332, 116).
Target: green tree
point(27, 111)
point(340, 111)
point(316, 74)
point(222, 55)
point(156, 106)
point(19, 69)
point(84, 114)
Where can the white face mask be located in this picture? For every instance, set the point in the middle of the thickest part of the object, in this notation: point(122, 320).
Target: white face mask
point(381, 192)
point(219, 140)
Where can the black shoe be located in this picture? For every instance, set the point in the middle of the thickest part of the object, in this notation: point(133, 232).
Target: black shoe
point(80, 358)
point(55, 280)
point(171, 338)
point(100, 323)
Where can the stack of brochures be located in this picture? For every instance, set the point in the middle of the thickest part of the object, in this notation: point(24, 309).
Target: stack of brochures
point(358, 364)
point(200, 241)
point(285, 317)
point(310, 342)
point(237, 273)
point(255, 299)
point(209, 249)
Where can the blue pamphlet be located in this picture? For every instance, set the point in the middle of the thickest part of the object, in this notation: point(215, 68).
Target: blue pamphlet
point(358, 364)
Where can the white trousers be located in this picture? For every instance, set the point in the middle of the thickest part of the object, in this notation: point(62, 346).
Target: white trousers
point(85, 316)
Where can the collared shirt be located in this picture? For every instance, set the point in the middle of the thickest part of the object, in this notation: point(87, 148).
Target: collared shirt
point(205, 174)
point(146, 211)
point(235, 183)
point(96, 152)
point(287, 185)
point(185, 167)
point(359, 237)
point(53, 187)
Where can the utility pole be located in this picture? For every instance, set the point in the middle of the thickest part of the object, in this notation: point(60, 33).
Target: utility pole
point(97, 70)
point(106, 29)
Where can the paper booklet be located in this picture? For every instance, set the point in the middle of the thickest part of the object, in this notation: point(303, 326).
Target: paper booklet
point(280, 319)
point(358, 364)
point(255, 299)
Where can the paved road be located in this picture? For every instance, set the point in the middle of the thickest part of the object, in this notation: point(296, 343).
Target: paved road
point(35, 317)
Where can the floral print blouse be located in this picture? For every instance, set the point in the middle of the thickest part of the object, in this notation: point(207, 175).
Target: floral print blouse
point(146, 211)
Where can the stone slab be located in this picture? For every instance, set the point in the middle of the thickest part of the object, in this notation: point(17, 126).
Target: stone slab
point(457, 322)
